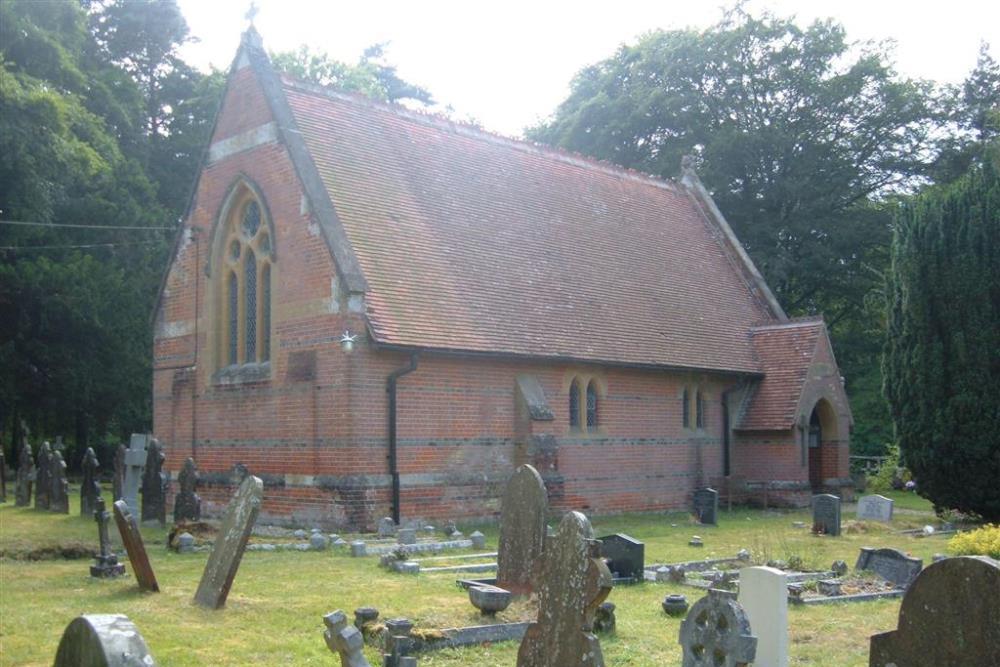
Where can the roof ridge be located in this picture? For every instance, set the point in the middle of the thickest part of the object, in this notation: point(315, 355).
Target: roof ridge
point(793, 323)
point(470, 130)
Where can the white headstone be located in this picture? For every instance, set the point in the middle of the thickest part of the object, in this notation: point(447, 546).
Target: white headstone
point(764, 596)
point(875, 508)
point(135, 464)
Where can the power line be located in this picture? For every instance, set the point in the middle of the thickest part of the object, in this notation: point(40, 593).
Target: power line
point(63, 224)
point(66, 247)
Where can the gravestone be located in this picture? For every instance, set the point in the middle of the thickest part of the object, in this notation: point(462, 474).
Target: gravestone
point(154, 483)
point(386, 527)
point(187, 504)
point(764, 596)
point(106, 562)
point(875, 508)
point(706, 506)
point(102, 640)
point(894, 566)
point(716, 633)
point(59, 496)
point(25, 475)
point(522, 531)
point(118, 477)
point(43, 477)
point(90, 489)
point(345, 640)
point(128, 528)
point(574, 583)
point(398, 643)
point(626, 556)
point(826, 514)
point(135, 461)
point(230, 544)
point(949, 616)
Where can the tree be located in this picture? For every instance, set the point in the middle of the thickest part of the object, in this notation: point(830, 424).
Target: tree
point(942, 355)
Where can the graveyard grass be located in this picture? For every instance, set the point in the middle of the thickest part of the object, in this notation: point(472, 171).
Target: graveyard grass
point(274, 612)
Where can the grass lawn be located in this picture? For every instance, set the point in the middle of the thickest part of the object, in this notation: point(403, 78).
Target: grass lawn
point(274, 612)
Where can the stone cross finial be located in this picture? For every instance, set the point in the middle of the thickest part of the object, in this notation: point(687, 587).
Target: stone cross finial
point(344, 639)
point(90, 489)
point(252, 12)
point(716, 633)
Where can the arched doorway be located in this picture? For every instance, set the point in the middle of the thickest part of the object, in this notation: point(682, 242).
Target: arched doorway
point(820, 438)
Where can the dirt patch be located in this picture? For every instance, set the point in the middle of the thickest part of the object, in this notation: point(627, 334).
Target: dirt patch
point(63, 551)
point(203, 532)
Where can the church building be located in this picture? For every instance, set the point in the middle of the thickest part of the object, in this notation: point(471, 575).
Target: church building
point(381, 312)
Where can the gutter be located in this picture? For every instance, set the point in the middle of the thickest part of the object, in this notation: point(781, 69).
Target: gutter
point(390, 388)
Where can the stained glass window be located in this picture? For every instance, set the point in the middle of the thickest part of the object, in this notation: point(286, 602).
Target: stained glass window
point(234, 305)
point(574, 404)
point(251, 219)
point(265, 318)
point(591, 406)
point(250, 314)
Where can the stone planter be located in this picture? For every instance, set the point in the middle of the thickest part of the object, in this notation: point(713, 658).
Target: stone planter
point(489, 599)
point(675, 605)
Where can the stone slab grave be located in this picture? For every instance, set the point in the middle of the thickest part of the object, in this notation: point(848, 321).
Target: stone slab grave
point(949, 616)
point(128, 528)
point(154, 485)
point(892, 565)
point(231, 542)
point(90, 488)
point(135, 463)
point(875, 508)
point(106, 563)
point(716, 633)
point(626, 557)
point(826, 514)
point(102, 640)
point(522, 531)
point(187, 504)
point(59, 495)
point(43, 477)
point(574, 583)
point(25, 475)
point(706, 506)
point(764, 596)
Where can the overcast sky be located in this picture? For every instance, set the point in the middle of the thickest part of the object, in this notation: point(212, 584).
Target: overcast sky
point(508, 64)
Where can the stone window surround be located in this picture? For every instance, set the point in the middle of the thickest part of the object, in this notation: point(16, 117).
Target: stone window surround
point(583, 380)
point(694, 401)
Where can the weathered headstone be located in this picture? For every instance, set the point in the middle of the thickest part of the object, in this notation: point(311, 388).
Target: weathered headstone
point(574, 582)
point(522, 531)
point(706, 506)
point(128, 528)
point(187, 504)
point(106, 562)
point(626, 556)
point(716, 633)
point(154, 495)
point(407, 536)
point(345, 640)
point(43, 477)
point(764, 597)
point(118, 478)
point(90, 489)
point(875, 508)
point(894, 566)
point(103, 640)
point(135, 461)
point(59, 496)
point(230, 544)
point(826, 514)
point(949, 616)
point(386, 527)
point(25, 475)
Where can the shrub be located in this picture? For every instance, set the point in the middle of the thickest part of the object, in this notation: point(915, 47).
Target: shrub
point(983, 541)
point(882, 480)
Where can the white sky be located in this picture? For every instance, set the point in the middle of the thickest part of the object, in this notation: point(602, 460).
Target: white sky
point(508, 64)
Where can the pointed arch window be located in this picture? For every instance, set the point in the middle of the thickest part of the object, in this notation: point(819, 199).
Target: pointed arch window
point(699, 410)
point(574, 404)
point(591, 406)
point(686, 408)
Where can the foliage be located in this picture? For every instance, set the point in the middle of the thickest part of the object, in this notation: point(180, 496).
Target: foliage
point(983, 541)
point(882, 481)
point(942, 358)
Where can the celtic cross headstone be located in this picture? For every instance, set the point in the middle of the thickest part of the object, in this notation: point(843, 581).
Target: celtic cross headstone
point(716, 633)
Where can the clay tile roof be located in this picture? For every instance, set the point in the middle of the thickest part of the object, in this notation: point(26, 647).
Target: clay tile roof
point(785, 352)
point(469, 241)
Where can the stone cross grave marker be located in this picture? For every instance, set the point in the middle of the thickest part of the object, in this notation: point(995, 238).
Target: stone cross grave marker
point(716, 633)
point(106, 562)
point(135, 462)
point(128, 528)
point(826, 514)
point(25, 475)
point(90, 489)
point(43, 477)
point(154, 494)
point(59, 496)
point(894, 566)
point(522, 531)
point(949, 616)
point(574, 583)
point(118, 478)
point(875, 508)
point(625, 555)
point(103, 640)
point(764, 597)
point(187, 504)
point(706, 506)
point(231, 542)
point(345, 640)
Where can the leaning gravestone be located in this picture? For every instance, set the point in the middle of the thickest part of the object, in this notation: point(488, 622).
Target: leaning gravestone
point(187, 504)
point(128, 528)
point(764, 596)
point(345, 640)
point(826, 514)
point(522, 531)
point(574, 583)
point(43, 477)
point(706, 506)
point(106, 562)
point(90, 489)
point(25, 475)
point(716, 633)
point(894, 566)
point(875, 508)
point(949, 616)
point(230, 544)
point(154, 497)
point(59, 496)
point(625, 556)
point(135, 461)
point(118, 477)
point(102, 640)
